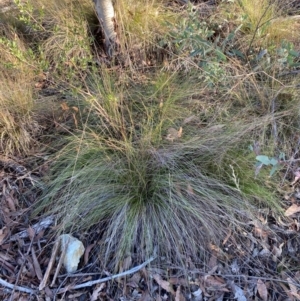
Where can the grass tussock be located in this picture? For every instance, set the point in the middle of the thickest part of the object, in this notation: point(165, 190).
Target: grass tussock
point(143, 22)
point(65, 35)
point(144, 190)
point(18, 123)
point(265, 23)
point(156, 157)
point(142, 198)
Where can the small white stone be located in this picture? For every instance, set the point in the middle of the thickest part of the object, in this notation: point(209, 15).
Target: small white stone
point(73, 253)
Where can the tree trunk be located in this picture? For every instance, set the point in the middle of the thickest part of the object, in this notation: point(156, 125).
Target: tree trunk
point(105, 12)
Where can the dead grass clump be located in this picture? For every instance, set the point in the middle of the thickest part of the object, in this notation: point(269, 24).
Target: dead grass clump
point(142, 22)
point(264, 23)
point(140, 27)
point(18, 125)
point(68, 46)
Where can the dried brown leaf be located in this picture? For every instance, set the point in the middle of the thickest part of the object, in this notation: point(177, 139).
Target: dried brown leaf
point(292, 210)
point(36, 265)
point(48, 292)
point(179, 296)
point(173, 134)
point(10, 202)
point(39, 85)
point(145, 296)
point(179, 134)
point(50, 265)
point(238, 292)
point(190, 119)
point(277, 251)
point(215, 282)
point(226, 238)
point(96, 292)
point(127, 262)
point(293, 288)
point(64, 106)
point(3, 234)
point(87, 253)
point(297, 177)
point(134, 280)
point(212, 262)
point(178, 281)
point(259, 230)
point(31, 233)
point(262, 290)
point(166, 285)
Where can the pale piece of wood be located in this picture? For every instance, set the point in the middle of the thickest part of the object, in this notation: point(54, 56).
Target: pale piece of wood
point(61, 260)
point(17, 288)
point(50, 265)
point(90, 283)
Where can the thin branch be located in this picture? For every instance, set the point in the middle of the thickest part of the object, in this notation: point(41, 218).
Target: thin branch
point(258, 25)
point(244, 276)
point(90, 283)
point(259, 277)
point(21, 267)
point(17, 288)
point(41, 225)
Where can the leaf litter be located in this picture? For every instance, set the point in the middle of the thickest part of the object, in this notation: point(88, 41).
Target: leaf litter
point(252, 263)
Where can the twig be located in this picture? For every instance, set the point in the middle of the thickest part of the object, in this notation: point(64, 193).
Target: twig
point(41, 225)
point(90, 283)
point(261, 278)
point(61, 260)
point(289, 72)
point(244, 276)
point(21, 267)
point(50, 265)
point(17, 288)
point(258, 25)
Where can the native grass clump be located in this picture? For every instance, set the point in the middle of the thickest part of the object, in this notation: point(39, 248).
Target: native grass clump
point(139, 176)
point(262, 23)
point(61, 34)
point(147, 174)
point(142, 25)
point(18, 121)
point(158, 155)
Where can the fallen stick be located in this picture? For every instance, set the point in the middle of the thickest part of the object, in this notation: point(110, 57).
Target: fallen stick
point(86, 284)
point(50, 265)
point(41, 225)
point(17, 288)
point(90, 283)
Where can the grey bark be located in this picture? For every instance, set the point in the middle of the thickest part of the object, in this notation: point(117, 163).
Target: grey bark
point(105, 13)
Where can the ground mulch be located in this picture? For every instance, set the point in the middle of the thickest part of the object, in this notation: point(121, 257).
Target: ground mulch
point(259, 261)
